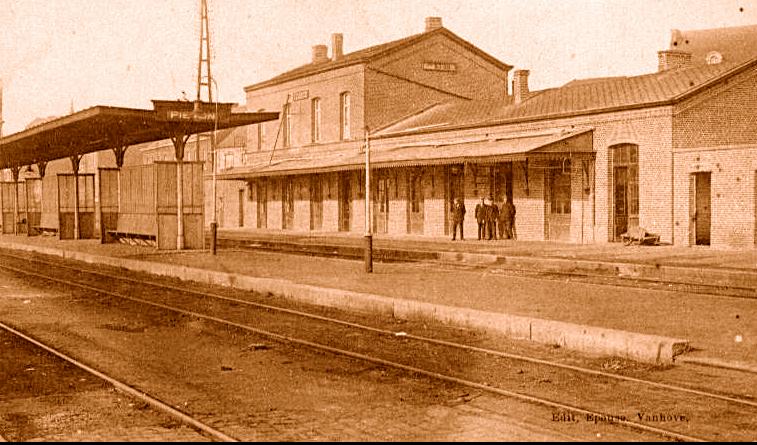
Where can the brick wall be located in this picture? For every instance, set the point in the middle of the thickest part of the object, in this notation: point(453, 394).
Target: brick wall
point(725, 114)
point(732, 195)
point(715, 132)
point(326, 86)
point(465, 73)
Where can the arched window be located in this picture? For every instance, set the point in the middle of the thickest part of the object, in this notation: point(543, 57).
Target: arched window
point(345, 116)
point(287, 125)
point(316, 120)
point(261, 133)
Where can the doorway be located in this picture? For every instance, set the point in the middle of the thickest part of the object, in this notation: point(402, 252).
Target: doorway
point(381, 203)
point(625, 171)
point(241, 207)
point(455, 188)
point(701, 217)
point(287, 204)
point(558, 201)
point(345, 201)
point(316, 202)
point(415, 202)
point(261, 192)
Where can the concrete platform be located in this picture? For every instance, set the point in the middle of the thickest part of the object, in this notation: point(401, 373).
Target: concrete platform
point(400, 290)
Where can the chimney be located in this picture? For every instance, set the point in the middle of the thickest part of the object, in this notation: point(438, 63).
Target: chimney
point(336, 46)
point(320, 53)
point(672, 60)
point(520, 85)
point(433, 23)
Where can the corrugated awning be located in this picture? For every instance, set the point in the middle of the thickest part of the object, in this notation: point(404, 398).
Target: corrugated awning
point(536, 145)
point(99, 128)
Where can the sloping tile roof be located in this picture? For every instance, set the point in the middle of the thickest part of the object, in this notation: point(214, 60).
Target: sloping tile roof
point(575, 98)
point(735, 44)
point(369, 54)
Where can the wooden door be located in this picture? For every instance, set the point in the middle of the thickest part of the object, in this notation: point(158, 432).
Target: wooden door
point(241, 208)
point(702, 213)
point(287, 204)
point(261, 192)
point(558, 204)
point(345, 201)
point(621, 201)
point(316, 202)
point(455, 188)
point(415, 203)
point(381, 203)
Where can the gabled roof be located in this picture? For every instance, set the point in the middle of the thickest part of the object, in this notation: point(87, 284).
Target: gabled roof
point(734, 44)
point(370, 54)
point(588, 96)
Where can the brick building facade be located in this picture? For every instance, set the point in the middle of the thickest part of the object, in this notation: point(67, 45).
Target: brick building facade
point(672, 151)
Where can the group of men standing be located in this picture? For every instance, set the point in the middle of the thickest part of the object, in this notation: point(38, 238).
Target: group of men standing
point(492, 219)
point(495, 220)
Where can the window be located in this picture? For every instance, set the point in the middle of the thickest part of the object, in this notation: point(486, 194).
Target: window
point(416, 192)
point(287, 125)
point(316, 120)
point(345, 116)
point(228, 161)
point(560, 188)
point(261, 133)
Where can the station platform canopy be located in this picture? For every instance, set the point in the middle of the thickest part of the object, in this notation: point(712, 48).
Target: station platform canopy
point(103, 127)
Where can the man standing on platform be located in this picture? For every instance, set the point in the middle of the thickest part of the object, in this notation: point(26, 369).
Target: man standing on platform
point(458, 215)
point(481, 218)
point(507, 219)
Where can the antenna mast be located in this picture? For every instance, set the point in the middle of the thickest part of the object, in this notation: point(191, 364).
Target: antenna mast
point(204, 57)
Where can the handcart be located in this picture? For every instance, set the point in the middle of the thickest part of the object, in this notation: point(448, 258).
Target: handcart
point(639, 235)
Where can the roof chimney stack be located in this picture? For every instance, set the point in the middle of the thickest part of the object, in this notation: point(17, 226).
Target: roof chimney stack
point(320, 53)
point(336, 46)
point(433, 23)
point(672, 60)
point(520, 85)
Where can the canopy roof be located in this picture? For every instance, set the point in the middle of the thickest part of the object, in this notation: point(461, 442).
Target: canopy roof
point(556, 144)
point(101, 127)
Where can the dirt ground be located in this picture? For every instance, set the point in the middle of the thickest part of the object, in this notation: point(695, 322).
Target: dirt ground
point(250, 387)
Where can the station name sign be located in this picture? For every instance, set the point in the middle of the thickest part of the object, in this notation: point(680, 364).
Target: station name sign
point(189, 116)
point(440, 66)
point(300, 95)
point(182, 111)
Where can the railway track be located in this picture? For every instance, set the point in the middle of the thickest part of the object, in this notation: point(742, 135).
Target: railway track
point(134, 393)
point(667, 410)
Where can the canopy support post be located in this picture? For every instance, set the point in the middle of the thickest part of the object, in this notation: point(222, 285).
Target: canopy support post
point(179, 143)
point(15, 172)
point(119, 151)
point(75, 162)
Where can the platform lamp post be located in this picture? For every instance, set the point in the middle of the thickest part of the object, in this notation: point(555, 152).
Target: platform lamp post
point(368, 255)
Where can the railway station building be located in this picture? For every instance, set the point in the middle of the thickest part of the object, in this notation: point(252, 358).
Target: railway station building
point(674, 151)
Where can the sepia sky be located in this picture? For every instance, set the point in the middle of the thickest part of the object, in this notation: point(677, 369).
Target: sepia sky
point(126, 52)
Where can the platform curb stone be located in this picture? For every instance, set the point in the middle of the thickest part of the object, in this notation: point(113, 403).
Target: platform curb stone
point(672, 274)
point(584, 338)
point(669, 274)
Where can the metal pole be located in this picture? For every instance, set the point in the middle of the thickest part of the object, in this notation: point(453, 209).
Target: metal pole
point(15, 172)
point(214, 222)
point(75, 160)
point(368, 226)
